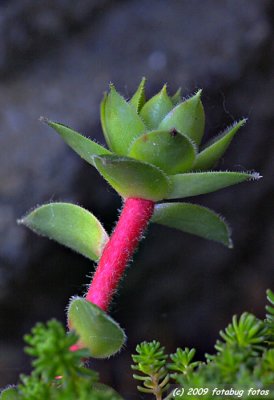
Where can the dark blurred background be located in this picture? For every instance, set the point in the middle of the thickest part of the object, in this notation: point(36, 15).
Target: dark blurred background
point(56, 59)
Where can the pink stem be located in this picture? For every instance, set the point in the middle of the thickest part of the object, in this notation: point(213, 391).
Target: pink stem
point(133, 220)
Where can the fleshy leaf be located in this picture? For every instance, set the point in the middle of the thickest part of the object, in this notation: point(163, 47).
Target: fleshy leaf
point(133, 178)
point(192, 218)
point(188, 118)
point(70, 225)
point(170, 151)
point(121, 123)
point(214, 150)
point(193, 184)
point(103, 117)
point(9, 393)
point(101, 391)
point(97, 331)
point(156, 109)
point(176, 98)
point(83, 146)
point(139, 98)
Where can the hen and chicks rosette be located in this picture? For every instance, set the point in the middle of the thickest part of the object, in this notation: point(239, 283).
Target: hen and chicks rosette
point(155, 154)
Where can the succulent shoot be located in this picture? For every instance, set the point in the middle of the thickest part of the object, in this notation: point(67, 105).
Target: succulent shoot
point(150, 361)
point(153, 156)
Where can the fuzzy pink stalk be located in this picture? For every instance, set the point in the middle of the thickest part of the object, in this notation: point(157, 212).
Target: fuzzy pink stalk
point(133, 220)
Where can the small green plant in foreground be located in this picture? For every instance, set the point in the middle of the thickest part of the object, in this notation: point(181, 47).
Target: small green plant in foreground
point(154, 155)
point(243, 366)
point(58, 373)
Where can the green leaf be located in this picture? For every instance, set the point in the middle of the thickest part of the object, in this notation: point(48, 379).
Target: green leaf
point(70, 225)
point(121, 123)
point(194, 219)
point(247, 331)
point(9, 393)
point(139, 98)
point(176, 98)
point(103, 117)
point(188, 118)
point(83, 146)
point(156, 109)
point(97, 331)
point(270, 311)
point(102, 391)
point(193, 184)
point(170, 151)
point(270, 296)
point(133, 178)
point(214, 150)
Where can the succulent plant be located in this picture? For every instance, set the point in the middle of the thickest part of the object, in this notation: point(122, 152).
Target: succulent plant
point(153, 146)
point(153, 157)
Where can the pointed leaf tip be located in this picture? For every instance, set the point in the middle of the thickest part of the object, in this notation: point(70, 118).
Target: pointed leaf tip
point(43, 119)
point(198, 93)
point(139, 98)
point(176, 98)
point(196, 183)
point(214, 149)
point(187, 117)
point(70, 225)
point(156, 108)
point(121, 122)
point(255, 176)
point(83, 146)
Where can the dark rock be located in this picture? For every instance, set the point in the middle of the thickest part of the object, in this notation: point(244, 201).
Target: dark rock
point(179, 285)
point(28, 28)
